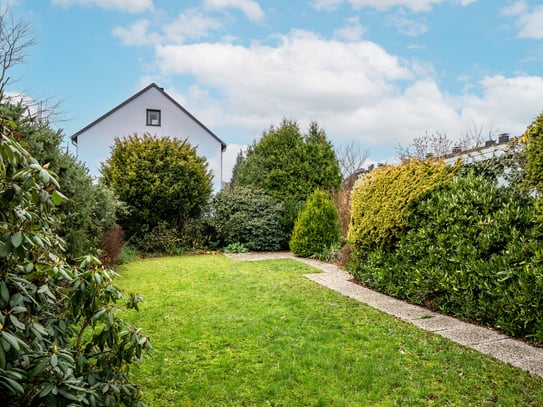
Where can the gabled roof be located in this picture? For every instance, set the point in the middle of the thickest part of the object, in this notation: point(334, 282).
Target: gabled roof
point(74, 136)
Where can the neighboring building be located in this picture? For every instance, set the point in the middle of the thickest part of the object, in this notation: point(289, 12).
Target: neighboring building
point(150, 111)
point(492, 148)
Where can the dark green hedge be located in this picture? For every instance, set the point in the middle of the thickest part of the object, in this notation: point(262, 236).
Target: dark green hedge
point(471, 249)
point(248, 216)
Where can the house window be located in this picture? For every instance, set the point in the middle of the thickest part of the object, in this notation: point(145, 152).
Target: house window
point(153, 117)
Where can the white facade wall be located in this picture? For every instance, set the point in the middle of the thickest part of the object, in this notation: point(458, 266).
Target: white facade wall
point(94, 144)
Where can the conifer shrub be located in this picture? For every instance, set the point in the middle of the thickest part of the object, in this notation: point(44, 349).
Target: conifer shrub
point(383, 200)
point(159, 179)
point(316, 229)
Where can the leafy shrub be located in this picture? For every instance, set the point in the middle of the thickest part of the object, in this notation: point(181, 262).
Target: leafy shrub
point(162, 239)
point(195, 235)
point(316, 230)
point(329, 254)
point(61, 342)
point(248, 216)
point(90, 209)
point(128, 254)
point(236, 248)
point(158, 179)
point(382, 200)
point(471, 249)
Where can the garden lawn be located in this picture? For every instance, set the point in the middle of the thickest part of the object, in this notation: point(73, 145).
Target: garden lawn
point(232, 333)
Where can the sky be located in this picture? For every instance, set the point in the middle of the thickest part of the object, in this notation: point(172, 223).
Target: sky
point(377, 73)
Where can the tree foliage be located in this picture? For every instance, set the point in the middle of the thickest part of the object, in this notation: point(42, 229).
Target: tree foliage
point(250, 217)
point(235, 169)
point(61, 342)
point(90, 208)
point(288, 165)
point(351, 158)
point(316, 229)
point(159, 179)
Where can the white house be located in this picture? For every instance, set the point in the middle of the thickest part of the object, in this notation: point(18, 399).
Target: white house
point(152, 111)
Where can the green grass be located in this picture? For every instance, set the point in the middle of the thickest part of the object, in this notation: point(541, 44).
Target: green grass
point(230, 333)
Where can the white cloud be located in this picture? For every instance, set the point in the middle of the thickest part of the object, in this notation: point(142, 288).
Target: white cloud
point(135, 34)
point(131, 6)
point(8, 4)
point(250, 8)
point(406, 25)
point(515, 9)
point(229, 159)
point(328, 5)
point(352, 31)
point(303, 73)
point(189, 25)
point(414, 5)
point(355, 90)
point(192, 24)
point(506, 104)
point(531, 24)
point(528, 19)
point(464, 3)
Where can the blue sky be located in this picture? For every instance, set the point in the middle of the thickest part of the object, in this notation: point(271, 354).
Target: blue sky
point(377, 72)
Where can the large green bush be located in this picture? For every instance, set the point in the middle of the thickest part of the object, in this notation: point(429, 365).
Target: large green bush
point(250, 217)
point(382, 200)
point(317, 228)
point(159, 179)
point(469, 248)
point(61, 343)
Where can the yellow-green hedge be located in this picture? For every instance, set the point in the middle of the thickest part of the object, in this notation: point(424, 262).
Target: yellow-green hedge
point(382, 199)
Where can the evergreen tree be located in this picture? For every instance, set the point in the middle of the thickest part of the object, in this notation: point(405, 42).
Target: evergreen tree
point(159, 179)
point(288, 165)
point(316, 229)
point(235, 170)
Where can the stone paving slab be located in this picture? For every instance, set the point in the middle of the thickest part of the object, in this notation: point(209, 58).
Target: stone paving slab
point(471, 335)
point(437, 323)
point(482, 339)
point(516, 353)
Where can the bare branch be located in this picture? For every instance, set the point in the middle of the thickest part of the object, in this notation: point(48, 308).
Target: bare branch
point(15, 39)
point(351, 157)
